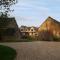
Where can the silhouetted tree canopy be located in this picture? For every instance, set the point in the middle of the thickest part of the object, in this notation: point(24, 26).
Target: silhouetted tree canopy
point(5, 6)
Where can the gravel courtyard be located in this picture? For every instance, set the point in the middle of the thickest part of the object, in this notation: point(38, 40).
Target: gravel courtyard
point(38, 50)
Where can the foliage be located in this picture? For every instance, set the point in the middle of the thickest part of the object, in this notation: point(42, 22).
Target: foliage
point(4, 22)
point(30, 38)
point(7, 53)
point(26, 39)
point(5, 6)
point(55, 38)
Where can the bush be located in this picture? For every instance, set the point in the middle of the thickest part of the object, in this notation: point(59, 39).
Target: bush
point(7, 53)
point(55, 38)
point(26, 39)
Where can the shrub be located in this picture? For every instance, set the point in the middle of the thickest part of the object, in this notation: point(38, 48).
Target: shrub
point(7, 53)
point(55, 38)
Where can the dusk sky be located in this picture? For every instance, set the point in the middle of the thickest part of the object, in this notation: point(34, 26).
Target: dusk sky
point(34, 12)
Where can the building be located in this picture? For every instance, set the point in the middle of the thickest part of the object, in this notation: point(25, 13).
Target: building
point(51, 25)
point(33, 31)
point(9, 30)
point(29, 31)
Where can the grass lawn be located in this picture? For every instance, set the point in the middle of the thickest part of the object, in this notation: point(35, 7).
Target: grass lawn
point(7, 53)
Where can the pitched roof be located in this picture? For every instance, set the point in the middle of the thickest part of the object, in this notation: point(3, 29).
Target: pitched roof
point(50, 19)
point(7, 22)
point(50, 23)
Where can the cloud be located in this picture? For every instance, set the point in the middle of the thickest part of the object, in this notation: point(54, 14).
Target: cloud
point(25, 8)
point(34, 12)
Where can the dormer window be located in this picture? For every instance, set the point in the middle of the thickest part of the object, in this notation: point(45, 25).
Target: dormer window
point(31, 29)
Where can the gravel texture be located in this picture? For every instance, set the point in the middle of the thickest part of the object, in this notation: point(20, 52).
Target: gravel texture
point(38, 50)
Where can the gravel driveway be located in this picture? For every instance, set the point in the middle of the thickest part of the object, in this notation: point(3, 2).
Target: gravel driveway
point(36, 50)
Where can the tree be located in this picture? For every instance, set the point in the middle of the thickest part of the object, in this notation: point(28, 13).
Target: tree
point(5, 6)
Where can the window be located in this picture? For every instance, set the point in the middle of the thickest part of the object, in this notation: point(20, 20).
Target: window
point(36, 34)
point(26, 29)
point(31, 29)
point(21, 29)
